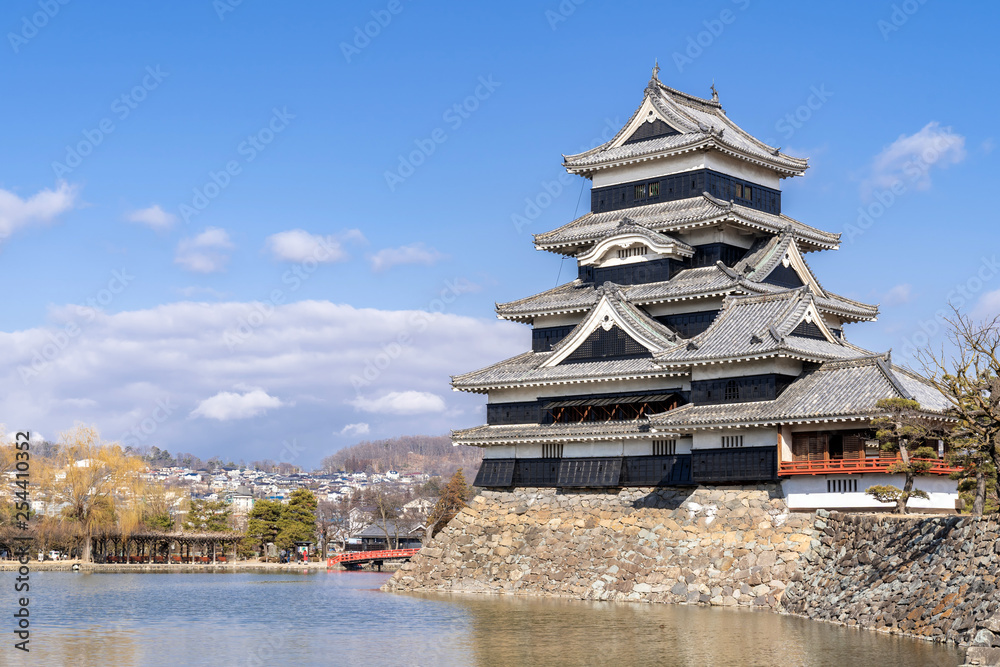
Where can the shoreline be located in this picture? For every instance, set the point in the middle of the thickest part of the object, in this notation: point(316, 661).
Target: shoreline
point(139, 568)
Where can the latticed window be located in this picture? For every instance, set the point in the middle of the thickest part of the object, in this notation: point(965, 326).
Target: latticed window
point(552, 451)
point(654, 189)
point(640, 191)
point(732, 391)
point(664, 447)
point(730, 441)
point(841, 486)
point(625, 253)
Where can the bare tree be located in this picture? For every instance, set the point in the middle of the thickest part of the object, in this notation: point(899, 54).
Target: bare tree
point(969, 378)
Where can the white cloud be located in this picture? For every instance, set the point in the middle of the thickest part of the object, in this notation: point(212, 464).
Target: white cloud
point(902, 293)
point(360, 428)
point(205, 252)
point(227, 405)
point(43, 207)
point(147, 370)
point(988, 306)
point(298, 245)
point(401, 403)
point(153, 217)
point(910, 158)
point(416, 253)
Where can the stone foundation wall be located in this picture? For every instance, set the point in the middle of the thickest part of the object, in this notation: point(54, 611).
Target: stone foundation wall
point(931, 577)
point(717, 546)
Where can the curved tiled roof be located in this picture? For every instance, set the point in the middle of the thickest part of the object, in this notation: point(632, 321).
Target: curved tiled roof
point(700, 123)
point(837, 390)
point(681, 215)
point(704, 282)
point(542, 433)
point(627, 226)
point(753, 327)
point(526, 370)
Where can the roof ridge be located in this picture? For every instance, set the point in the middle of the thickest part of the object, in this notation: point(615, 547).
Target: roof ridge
point(884, 365)
point(715, 104)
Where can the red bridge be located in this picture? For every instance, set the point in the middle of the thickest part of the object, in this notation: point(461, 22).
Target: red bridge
point(356, 558)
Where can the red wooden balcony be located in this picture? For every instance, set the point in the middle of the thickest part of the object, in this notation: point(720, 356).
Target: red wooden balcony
point(855, 465)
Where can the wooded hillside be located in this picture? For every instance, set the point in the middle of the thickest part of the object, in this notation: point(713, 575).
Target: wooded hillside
point(434, 455)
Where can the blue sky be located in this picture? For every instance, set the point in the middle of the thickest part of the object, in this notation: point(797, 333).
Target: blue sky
point(252, 230)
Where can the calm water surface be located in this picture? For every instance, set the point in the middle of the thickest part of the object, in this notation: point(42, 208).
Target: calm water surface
point(340, 618)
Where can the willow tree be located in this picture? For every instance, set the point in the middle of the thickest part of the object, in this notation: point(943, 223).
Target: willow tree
point(969, 377)
point(100, 486)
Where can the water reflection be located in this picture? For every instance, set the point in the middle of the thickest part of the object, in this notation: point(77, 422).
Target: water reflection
point(341, 618)
point(554, 632)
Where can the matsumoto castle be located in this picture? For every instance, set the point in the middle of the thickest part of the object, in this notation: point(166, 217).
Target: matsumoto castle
point(695, 346)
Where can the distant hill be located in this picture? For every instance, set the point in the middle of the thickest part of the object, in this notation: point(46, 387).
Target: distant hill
point(432, 454)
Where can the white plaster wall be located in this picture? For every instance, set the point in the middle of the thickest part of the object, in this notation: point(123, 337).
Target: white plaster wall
point(740, 169)
point(808, 492)
point(610, 258)
point(677, 307)
point(680, 383)
point(752, 437)
point(571, 319)
point(783, 366)
point(526, 451)
point(684, 444)
point(586, 449)
point(572, 450)
point(718, 234)
point(650, 169)
point(688, 162)
point(498, 452)
point(638, 448)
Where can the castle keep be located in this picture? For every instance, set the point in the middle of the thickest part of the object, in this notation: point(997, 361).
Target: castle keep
point(696, 346)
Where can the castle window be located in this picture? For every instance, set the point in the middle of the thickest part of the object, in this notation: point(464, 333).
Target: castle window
point(625, 253)
point(654, 189)
point(841, 486)
point(731, 441)
point(747, 192)
point(640, 191)
point(732, 391)
point(552, 451)
point(664, 447)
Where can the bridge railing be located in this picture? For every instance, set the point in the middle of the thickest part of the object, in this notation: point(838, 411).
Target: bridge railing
point(385, 554)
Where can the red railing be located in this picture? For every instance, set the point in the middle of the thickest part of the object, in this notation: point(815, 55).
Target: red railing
point(359, 556)
point(848, 466)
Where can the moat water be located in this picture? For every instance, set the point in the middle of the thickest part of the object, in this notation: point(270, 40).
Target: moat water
point(341, 618)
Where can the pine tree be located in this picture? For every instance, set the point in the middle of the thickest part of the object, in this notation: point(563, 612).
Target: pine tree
point(298, 519)
point(262, 524)
point(453, 498)
point(903, 428)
